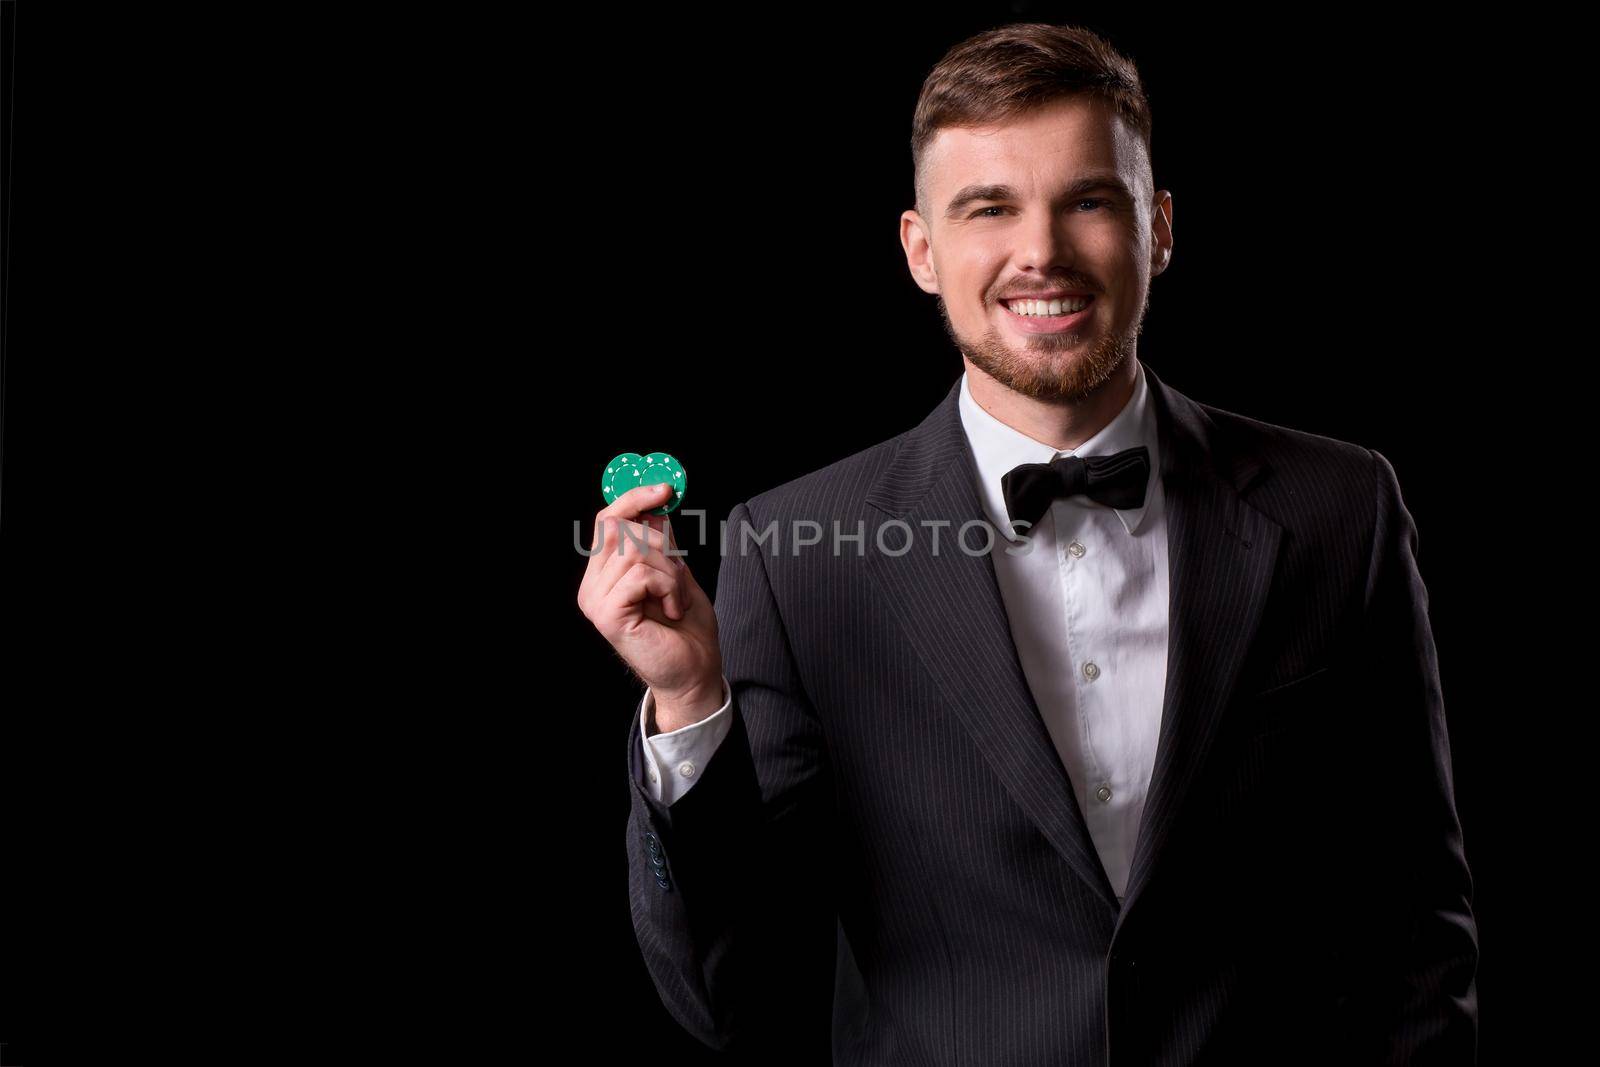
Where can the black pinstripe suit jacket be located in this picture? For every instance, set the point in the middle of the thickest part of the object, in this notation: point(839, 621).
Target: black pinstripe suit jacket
point(886, 847)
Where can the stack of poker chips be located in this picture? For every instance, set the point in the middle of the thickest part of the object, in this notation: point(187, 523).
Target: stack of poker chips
point(630, 470)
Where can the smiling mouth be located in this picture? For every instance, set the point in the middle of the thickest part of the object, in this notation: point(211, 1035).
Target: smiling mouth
point(1059, 307)
point(1061, 315)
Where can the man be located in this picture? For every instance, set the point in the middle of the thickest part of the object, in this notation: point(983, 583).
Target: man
point(1158, 776)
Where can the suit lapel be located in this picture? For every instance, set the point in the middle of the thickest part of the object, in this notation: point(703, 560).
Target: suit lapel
point(949, 607)
point(1221, 554)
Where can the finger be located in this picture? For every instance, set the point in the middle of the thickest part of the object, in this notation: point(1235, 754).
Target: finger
point(613, 538)
point(641, 583)
point(626, 507)
point(663, 525)
point(680, 563)
point(653, 611)
point(684, 580)
point(636, 501)
point(635, 538)
point(599, 551)
point(628, 554)
point(628, 538)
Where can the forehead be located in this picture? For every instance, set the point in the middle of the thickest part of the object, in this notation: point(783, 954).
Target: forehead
point(1046, 146)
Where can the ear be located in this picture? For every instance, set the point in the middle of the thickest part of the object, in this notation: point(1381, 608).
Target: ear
point(1161, 232)
point(915, 239)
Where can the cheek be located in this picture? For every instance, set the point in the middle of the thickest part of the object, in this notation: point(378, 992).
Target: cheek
point(1119, 267)
point(1113, 247)
point(974, 273)
point(1132, 250)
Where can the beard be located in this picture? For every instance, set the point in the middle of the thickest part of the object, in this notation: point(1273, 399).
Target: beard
point(1044, 367)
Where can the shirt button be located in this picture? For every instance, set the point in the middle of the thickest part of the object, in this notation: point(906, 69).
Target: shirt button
point(1076, 549)
point(686, 769)
point(1104, 792)
point(1090, 671)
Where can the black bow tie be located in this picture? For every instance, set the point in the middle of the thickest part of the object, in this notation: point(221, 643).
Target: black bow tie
point(1116, 480)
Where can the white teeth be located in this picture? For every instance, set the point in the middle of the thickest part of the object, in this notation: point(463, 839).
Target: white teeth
point(1068, 306)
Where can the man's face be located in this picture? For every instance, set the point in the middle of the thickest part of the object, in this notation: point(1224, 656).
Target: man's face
point(1056, 204)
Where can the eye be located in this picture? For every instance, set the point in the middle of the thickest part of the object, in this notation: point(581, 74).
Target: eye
point(1095, 202)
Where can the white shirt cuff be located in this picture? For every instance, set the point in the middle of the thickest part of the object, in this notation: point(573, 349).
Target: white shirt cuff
point(673, 761)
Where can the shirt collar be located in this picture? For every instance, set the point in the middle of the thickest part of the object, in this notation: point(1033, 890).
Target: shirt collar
point(997, 448)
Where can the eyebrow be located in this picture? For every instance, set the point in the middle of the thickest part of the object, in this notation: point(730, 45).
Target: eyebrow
point(1087, 184)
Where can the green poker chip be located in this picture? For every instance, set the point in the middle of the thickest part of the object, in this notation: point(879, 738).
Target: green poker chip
point(621, 475)
point(630, 470)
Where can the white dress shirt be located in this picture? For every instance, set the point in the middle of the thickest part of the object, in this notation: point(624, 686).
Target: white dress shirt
point(1086, 594)
point(1087, 602)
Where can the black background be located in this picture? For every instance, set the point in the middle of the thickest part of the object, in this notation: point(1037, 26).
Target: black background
point(319, 336)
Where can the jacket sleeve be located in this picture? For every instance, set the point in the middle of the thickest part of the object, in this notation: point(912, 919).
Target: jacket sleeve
point(1416, 1002)
point(730, 886)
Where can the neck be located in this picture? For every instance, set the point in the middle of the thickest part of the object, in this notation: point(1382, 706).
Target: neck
point(1061, 424)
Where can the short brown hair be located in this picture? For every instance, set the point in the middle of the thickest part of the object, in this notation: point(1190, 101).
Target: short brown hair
point(1005, 72)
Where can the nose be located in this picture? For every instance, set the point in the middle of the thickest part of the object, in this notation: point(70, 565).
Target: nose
point(1045, 244)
